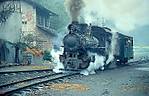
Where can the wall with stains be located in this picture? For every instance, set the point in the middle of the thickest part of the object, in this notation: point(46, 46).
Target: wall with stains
point(28, 18)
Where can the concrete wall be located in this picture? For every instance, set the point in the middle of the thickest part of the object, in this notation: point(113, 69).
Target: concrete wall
point(28, 18)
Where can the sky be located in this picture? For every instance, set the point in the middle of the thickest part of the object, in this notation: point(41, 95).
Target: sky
point(129, 17)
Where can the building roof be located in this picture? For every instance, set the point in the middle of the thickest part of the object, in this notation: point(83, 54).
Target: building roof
point(40, 7)
point(48, 31)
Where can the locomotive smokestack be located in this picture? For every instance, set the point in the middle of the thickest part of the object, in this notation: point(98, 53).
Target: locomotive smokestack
point(74, 7)
point(75, 22)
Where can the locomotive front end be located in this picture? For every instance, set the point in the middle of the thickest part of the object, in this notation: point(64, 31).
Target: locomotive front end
point(74, 56)
point(71, 42)
point(70, 56)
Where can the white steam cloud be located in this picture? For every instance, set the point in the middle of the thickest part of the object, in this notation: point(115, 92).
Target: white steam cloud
point(99, 63)
point(55, 54)
point(126, 15)
point(113, 48)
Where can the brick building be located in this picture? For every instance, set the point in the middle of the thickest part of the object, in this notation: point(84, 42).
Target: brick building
point(27, 21)
point(25, 17)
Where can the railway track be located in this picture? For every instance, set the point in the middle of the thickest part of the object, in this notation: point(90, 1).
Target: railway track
point(10, 65)
point(24, 80)
point(14, 76)
point(138, 61)
point(25, 71)
point(8, 89)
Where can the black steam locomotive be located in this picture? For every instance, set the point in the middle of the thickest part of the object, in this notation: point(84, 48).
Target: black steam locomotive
point(84, 41)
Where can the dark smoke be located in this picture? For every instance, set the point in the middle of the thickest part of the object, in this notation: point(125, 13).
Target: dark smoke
point(74, 8)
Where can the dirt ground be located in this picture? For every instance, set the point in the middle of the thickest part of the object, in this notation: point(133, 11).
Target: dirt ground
point(125, 81)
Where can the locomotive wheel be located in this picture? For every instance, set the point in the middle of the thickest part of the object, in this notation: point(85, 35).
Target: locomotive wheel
point(84, 65)
point(122, 63)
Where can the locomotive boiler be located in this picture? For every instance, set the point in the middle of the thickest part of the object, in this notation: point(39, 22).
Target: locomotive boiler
point(84, 41)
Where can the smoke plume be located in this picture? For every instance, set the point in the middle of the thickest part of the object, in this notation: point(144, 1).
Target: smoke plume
point(74, 8)
point(126, 15)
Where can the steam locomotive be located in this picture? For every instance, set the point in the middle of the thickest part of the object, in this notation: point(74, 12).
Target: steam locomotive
point(84, 41)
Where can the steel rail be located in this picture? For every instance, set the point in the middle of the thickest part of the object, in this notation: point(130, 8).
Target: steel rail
point(42, 79)
point(25, 80)
point(36, 70)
